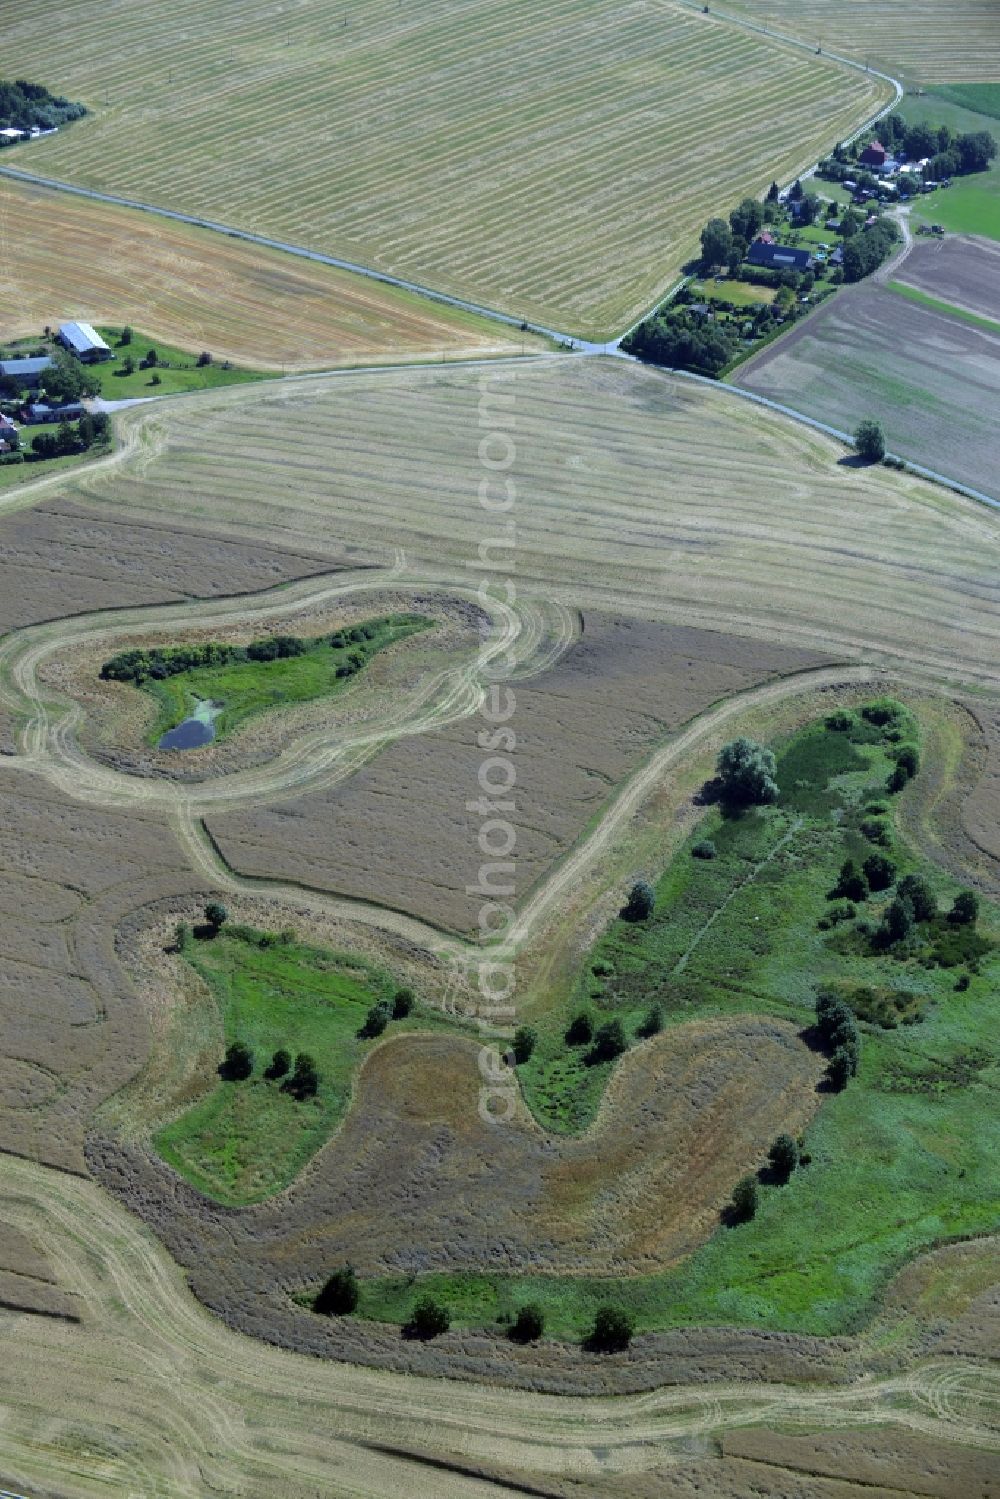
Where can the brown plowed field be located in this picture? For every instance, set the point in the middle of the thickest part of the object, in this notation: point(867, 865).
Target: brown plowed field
point(399, 831)
point(60, 559)
point(932, 380)
point(960, 268)
point(71, 1031)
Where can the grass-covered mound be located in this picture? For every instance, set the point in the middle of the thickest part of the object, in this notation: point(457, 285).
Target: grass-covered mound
point(904, 1157)
point(251, 1134)
point(274, 671)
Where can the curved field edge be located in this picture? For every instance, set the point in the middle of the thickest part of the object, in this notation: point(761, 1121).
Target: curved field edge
point(292, 1426)
point(821, 1249)
point(248, 688)
point(834, 1298)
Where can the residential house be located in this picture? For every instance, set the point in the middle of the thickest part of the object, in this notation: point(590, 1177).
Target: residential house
point(873, 156)
point(38, 411)
point(27, 372)
point(778, 257)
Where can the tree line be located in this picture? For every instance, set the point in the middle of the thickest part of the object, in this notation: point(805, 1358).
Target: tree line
point(27, 106)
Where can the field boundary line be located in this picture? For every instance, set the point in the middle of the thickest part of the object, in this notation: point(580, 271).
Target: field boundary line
point(55, 184)
point(846, 438)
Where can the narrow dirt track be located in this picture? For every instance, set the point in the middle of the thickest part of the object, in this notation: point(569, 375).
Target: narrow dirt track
point(152, 1395)
point(533, 636)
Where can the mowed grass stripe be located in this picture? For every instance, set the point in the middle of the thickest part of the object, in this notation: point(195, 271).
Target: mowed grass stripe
point(927, 41)
point(635, 491)
point(555, 160)
point(197, 291)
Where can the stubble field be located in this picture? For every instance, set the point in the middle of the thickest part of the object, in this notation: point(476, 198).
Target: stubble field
point(636, 492)
point(66, 257)
point(926, 42)
point(555, 161)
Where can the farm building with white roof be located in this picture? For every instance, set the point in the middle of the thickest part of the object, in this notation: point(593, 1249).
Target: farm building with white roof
point(83, 341)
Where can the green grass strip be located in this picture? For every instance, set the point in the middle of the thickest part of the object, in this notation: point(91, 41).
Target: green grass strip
point(913, 294)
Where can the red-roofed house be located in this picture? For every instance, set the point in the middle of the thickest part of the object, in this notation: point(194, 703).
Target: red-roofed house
point(873, 155)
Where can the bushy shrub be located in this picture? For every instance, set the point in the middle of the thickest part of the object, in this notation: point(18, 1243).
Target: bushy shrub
point(640, 903)
point(304, 1081)
point(965, 909)
point(784, 1157)
point(915, 889)
point(237, 1065)
point(745, 1200)
point(528, 1325)
point(851, 883)
point(376, 1020)
point(746, 771)
point(609, 1042)
point(402, 1003)
point(612, 1331)
point(880, 711)
point(523, 1044)
point(704, 850)
point(879, 871)
point(428, 1319)
point(869, 439)
point(339, 1297)
point(280, 1064)
point(580, 1029)
point(652, 1022)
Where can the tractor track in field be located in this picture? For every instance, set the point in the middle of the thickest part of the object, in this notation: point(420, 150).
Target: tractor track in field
point(152, 1395)
point(532, 636)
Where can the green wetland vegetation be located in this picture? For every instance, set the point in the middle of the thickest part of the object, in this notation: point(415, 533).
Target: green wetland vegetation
point(246, 680)
point(248, 1138)
point(765, 909)
point(903, 1158)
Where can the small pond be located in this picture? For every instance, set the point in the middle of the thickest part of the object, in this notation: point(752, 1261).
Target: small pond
point(193, 732)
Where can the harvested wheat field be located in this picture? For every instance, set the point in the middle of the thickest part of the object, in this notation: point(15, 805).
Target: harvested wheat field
point(957, 41)
point(401, 827)
point(301, 1427)
point(119, 716)
point(556, 161)
point(409, 1184)
point(66, 256)
point(71, 1029)
point(636, 492)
